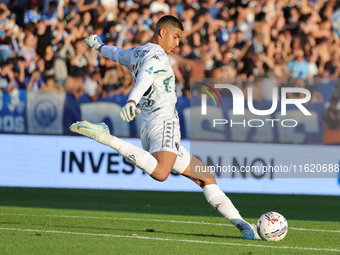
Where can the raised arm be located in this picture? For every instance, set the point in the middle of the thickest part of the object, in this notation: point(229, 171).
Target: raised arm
point(113, 53)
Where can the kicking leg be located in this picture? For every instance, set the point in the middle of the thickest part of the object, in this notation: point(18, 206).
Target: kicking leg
point(158, 164)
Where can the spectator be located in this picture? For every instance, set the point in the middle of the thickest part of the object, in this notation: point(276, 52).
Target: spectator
point(333, 66)
point(48, 61)
point(51, 85)
point(159, 6)
point(125, 85)
point(188, 18)
point(93, 86)
point(67, 10)
point(59, 34)
point(130, 28)
point(225, 68)
point(88, 6)
point(7, 82)
point(110, 9)
point(87, 21)
point(298, 67)
point(29, 29)
point(5, 49)
point(193, 65)
point(312, 63)
point(19, 73)
point(146, 19)
point(110, 83)
point(74, 86)
point(29, 53)
point(63, 54)
point(267, 39)
point(79, 63)
point(239, 40)
point(3, 18)
point(32, 15)
point(44, 37)
point(52, 13)
point(213, 7)
point(35, 82)
point(4, 14)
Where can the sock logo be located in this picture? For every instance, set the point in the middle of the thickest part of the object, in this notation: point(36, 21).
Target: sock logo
point(131, 158)
point(217, 206)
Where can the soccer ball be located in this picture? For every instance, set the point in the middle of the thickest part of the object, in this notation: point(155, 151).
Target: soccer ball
point(272, 226)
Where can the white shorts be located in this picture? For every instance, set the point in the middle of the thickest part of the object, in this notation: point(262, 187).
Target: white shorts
point(164, 135)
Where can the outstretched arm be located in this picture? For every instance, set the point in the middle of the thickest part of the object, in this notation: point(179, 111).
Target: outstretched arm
point(113, 53)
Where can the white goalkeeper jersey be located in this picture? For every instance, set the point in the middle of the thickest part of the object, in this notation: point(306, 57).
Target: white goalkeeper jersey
point(154, 78)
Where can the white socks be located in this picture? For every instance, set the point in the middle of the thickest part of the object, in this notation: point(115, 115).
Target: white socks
point(137, 156)
point(217, 199)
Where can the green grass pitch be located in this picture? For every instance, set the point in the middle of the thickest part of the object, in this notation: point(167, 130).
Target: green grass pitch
point(70, 221)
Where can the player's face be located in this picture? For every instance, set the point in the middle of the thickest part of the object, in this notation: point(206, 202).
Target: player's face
point(171, 39)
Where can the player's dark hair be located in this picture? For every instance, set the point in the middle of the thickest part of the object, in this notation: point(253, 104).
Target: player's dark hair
point(169, 20)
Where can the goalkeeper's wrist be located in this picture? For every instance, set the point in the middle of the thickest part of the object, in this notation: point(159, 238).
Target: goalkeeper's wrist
point(132, 101)
point(100, 48)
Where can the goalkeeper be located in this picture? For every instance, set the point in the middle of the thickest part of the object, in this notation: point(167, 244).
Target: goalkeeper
point(154, 90)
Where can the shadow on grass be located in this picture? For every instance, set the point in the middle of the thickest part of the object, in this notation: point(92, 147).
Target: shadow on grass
point(114, 230)
point(296, 207)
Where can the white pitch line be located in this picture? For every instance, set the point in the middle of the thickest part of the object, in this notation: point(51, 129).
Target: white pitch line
point(168, 239)
point(155, 220)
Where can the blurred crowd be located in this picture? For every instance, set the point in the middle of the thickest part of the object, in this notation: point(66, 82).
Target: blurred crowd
point(41, 43)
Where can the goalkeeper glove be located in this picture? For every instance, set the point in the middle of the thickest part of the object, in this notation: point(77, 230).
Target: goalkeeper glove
point(129, 111)
point(93, 41)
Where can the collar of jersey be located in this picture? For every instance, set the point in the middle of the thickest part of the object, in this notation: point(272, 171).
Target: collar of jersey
point(156, 45)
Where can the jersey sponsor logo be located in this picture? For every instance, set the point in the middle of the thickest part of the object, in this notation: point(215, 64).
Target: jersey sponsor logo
point(140, 53)
point(149, 103)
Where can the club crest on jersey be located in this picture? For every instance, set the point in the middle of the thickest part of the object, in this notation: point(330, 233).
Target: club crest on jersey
point(149, 70)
